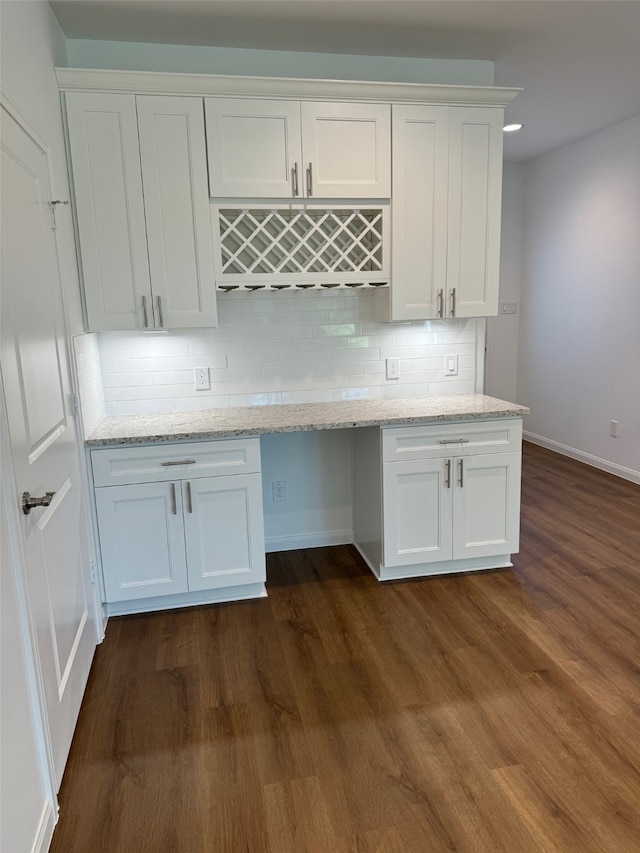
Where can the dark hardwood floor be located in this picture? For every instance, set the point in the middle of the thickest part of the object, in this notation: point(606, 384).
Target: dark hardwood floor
point(497, 711)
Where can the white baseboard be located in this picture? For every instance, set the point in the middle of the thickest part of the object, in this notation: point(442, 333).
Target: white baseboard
point(308, 540)
point(187, 599)
point(581, 456)
point(444, 567)
point(42, 840)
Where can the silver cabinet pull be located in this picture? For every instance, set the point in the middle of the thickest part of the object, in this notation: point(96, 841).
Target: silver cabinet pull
point(178, 462)
point(310, 180)
point(29, 503)
point(461, 464)
point(160, 316)
point(145, 313)
point(189, 503)
point(448, 469)
point(294, 179)
point(454, 441)
point(441, 303)
point(174, 508)
point(453, 302)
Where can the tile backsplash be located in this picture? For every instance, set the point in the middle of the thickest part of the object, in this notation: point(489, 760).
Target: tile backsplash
point(285, 347)
point(89, 372)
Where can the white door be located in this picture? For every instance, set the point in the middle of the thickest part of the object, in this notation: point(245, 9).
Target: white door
point(254, 148)
point(141, 540)
point(103, 140)
point(176, 203)
point(224, 531)
point(419, 221)
point(346, 150)
point(36, 379)
point(417, 511)
point(475, 200)
point(486, 505)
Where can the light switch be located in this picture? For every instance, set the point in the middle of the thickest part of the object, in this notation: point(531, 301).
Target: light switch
point(451, 365)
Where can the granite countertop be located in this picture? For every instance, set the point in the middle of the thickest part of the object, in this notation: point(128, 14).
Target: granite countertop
point(259, 420)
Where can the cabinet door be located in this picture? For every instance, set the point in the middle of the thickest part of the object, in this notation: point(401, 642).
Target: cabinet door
point(417, 512)
point(141, 540)
point(419, 222)
point(253, 147)
point(103, 143)
point(224, 531)
point(176, 204)
point(348, 148)
point(486, 505)
point(475, 198)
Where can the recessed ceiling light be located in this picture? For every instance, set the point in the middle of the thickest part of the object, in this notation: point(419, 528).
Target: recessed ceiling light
point(512, 128)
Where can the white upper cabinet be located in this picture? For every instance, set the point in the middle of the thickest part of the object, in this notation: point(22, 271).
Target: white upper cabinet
point(140, 178)
point(261, 148)
point(103, 142)
point(447, 185)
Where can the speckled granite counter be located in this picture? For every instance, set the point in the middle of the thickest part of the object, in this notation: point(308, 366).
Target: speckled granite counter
point(259, 420)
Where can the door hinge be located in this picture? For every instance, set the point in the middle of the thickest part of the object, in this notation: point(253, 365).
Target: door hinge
point(74, 406)
point(93, 571)
point(54, 206)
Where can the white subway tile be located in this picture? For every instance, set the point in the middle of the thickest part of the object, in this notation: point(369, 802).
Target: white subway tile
point(200, 403)
point(123, 380)
point(253, 360)
point(188, 362)
point(316, 344)
point(455, 386)
point(337, 330)
point(358, 393)
point(352, 355)
point(271, 346)
point(159, 347)
point(272, 399)
point(173, 377)
point(214, 348)
point(316, 396)
point(138, 365)
point(163, 392)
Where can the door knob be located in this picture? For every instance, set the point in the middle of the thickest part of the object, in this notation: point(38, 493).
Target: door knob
point(28, 503)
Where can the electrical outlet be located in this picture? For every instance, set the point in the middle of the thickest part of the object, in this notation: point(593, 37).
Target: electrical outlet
point(508, 307)
point(393, 368)
point(279, 490)
point(451, 365)
point(201, 379)
point(613, 429)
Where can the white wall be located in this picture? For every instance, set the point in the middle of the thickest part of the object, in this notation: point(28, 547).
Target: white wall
point(502, 331)
point(196, 59)
point(579, 355)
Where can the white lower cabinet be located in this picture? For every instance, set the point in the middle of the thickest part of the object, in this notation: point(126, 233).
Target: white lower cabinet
point(224, 533)
point(180, 534)
point(141, 540)
point(451, 509)
point(445, 497)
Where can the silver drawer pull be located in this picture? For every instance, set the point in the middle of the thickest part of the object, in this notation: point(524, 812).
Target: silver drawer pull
point(174, 508)
point(448, 467)
point(189, 500)
point(178, 462)
point(454, 441)
point(461, 464)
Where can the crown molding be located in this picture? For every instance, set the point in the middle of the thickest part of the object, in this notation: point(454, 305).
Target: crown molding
point(200, 85)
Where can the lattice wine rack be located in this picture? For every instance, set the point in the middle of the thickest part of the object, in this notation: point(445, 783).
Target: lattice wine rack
point(300, 247)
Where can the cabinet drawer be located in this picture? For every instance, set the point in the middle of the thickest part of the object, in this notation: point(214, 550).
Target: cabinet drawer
point(143, 464)
point(452, 439)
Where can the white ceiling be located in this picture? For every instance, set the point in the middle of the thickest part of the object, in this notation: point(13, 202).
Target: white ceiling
point(578, 61)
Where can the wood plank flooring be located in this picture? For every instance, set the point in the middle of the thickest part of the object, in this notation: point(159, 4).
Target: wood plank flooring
point(488, 712)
